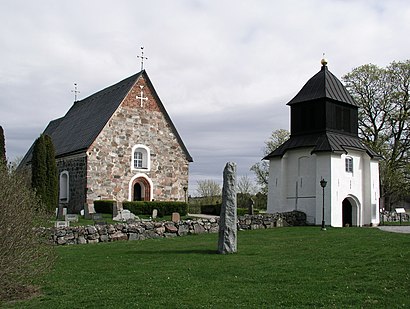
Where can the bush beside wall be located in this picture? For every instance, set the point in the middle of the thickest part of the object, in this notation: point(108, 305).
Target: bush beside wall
point(164, 208)
point(104, 206)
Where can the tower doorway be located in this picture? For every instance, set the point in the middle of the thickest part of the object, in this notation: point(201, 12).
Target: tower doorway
point(349, 213)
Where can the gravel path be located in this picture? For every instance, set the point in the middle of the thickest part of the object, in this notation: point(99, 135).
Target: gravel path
point(395, 229)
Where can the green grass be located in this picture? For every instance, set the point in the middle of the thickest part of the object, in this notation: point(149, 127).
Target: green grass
point(278, 268)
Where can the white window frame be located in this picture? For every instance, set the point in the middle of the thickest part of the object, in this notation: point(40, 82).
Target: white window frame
point(145, 160)
point(349, 165)
point(64, 192)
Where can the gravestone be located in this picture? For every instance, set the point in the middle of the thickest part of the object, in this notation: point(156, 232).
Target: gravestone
point(175, 217)
point(251, 203)
point(227, 242)
point(71, 217)
point(154, 213)
point(124, 215)
point(59, 224)
point(96, 216)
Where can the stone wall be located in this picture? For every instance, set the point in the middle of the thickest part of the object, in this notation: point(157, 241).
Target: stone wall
point(393, 217)
point(76, 166)
point(141, 230)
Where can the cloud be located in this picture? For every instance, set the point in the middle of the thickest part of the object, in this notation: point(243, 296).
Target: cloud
point(223, 69)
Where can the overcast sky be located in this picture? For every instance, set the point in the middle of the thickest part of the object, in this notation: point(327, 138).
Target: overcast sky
point(223, 69)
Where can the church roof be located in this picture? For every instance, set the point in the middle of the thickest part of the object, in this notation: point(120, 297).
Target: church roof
point(323, 142)
point(77, 130)
point(323, 85)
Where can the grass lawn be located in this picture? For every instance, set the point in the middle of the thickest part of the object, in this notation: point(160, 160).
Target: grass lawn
point(284, 267)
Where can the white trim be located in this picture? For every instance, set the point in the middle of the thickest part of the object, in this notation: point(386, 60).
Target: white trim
point(146, 155)
point(66, 190)
point(354, 201)
point(130, 188)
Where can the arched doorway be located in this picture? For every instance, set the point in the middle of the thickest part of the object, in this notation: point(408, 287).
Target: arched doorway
point(141, 189)
point(351, 211)
point(347, 212)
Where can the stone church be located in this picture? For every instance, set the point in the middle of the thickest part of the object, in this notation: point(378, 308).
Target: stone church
point(324, 145)
point(119, 144)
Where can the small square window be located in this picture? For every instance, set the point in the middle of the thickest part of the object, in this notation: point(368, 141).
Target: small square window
point(349, 165)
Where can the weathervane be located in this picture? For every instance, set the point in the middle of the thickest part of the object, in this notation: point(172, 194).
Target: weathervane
point(142, 57)
point(75, 92)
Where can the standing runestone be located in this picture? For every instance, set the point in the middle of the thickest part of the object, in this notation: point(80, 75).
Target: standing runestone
point(228, 219)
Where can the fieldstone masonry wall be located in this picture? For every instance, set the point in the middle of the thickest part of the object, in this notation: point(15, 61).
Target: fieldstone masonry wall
point(141, 230)
point(76, 166)
point(110, 169)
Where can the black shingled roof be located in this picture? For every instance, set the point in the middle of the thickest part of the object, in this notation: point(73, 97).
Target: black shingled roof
point(323, 142)
point(323, 85)
point(77, 130)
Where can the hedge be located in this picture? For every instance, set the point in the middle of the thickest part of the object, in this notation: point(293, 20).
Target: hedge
point(215, 210)
point(164, 208)
point(104, 206)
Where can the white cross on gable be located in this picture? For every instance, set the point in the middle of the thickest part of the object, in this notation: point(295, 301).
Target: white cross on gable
point(142, 97)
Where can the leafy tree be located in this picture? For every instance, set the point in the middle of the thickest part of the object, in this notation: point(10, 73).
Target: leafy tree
point(52, 175)
point(383, 97)
point(39, 168)
point(261, 169)
point(3, 160)
point(44, 172)
point(209, 190)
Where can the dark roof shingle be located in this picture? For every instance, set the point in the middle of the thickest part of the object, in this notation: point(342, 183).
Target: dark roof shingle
point(77, 130)
point(323, 85)
point(323, 142)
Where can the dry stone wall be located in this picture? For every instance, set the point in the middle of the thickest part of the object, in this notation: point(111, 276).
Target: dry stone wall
point(141, 230)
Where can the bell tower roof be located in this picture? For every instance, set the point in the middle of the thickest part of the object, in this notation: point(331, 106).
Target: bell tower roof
point(323, 85)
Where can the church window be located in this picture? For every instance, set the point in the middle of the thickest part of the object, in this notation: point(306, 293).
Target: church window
point(349, 164)
point(64, 187)
point(140, 159)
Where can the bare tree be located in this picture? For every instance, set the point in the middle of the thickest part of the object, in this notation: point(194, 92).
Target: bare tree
point(24, 252)
point(261, 169)
point(209, 190)
point(245, 185)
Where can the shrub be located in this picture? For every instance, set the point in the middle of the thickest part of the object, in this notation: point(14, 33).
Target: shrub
point(104, 206)
point(211, 209)
point(24, 253)
point(164, 208)
point(44, 172)
point(241, 211)
point(194, 209)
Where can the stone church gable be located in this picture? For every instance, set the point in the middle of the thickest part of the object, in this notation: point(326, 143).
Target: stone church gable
point(139, 120)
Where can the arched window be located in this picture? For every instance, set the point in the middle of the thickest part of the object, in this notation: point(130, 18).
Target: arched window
point(140, 159)
point(64, 187)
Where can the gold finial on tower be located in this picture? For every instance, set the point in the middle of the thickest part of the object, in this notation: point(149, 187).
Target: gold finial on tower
point(324, 60)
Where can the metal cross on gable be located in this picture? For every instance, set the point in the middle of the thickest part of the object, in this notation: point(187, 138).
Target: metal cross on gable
point(142, 96)
point(76, 91)
point(142, 57)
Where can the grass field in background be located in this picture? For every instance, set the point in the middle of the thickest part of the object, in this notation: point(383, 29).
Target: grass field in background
point(298, 267)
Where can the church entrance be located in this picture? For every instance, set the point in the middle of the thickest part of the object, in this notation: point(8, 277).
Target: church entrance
point(141, 190)
point(347, 213)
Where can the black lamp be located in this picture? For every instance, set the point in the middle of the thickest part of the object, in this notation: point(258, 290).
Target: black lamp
point(323, 184)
